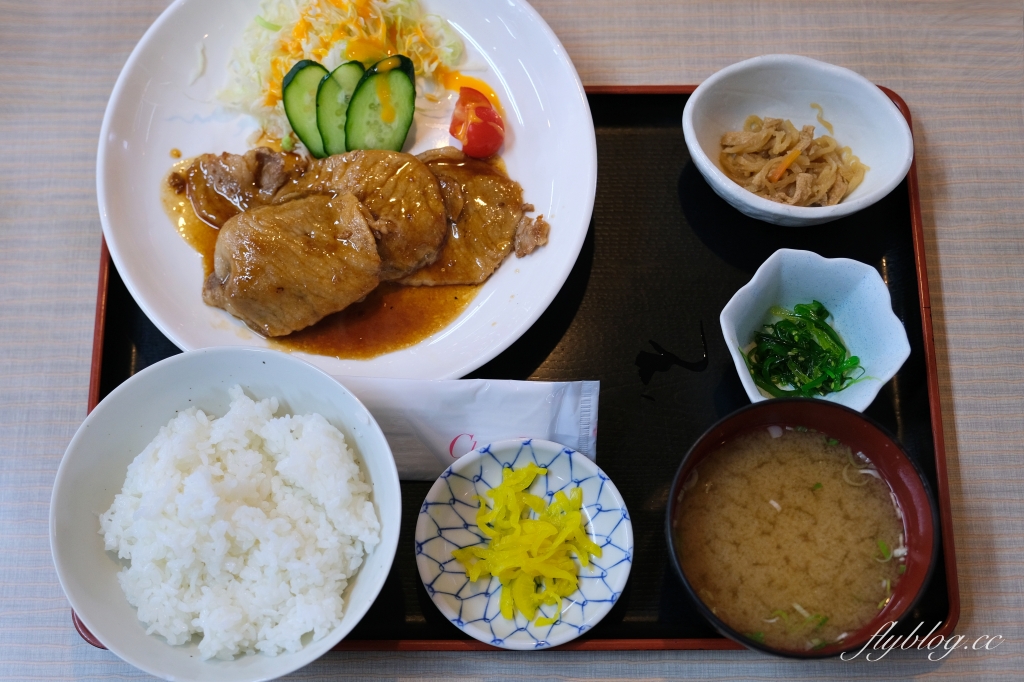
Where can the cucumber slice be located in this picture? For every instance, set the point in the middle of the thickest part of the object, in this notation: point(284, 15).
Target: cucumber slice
point(382, 106)
point(332, 105)
point(298, 90)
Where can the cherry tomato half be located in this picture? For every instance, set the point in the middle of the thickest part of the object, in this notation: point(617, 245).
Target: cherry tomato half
point(477, 125)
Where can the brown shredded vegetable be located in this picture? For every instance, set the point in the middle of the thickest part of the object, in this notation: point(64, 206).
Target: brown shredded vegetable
point(774, 160)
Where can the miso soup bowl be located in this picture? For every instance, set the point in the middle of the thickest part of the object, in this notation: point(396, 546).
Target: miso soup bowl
point(861, 434)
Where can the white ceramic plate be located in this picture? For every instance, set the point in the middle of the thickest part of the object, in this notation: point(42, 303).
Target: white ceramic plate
point(447, 521)
point(549, 149)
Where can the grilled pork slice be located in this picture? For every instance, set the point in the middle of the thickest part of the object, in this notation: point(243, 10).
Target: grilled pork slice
point(282, 268)
point(484, 208)
point(531, 234)
point(407, 213)
point(220, 186)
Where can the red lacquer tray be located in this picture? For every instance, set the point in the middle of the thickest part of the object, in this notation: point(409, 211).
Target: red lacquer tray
point(663, 255)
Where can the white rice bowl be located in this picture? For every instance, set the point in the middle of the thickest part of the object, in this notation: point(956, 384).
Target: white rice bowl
point(244, 529)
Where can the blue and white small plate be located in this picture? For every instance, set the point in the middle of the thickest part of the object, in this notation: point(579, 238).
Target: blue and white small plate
point(447, 521)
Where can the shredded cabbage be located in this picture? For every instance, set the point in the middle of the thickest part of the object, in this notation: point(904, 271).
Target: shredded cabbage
point(331, 32)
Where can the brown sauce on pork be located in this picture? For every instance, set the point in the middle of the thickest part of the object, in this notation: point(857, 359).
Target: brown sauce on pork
point(194, 231)
point(391, 317)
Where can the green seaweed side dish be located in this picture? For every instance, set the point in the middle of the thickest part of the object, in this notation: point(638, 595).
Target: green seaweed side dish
point(801, 355)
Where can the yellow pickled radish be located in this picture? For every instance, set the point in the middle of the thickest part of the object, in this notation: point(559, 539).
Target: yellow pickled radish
point(532, 557)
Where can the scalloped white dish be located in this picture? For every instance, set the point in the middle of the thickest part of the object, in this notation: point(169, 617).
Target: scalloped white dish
point(156, 105)
point(447, 521)
point(852, 291)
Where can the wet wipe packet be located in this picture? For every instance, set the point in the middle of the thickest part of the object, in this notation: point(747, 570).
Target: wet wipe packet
point(430, 424)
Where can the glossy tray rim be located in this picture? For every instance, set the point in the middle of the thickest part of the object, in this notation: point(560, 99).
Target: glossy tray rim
point(714, 643)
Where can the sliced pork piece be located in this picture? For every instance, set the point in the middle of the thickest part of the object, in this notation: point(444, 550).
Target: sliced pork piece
point(531, 234)
point(221, 186)
point(281, 268)
point(407, 213)
point(484, 210)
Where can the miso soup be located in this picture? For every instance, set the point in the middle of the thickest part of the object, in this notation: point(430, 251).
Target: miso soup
point(790, 538)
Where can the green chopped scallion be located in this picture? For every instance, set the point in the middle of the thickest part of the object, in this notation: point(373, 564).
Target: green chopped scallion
point(756, 636)
point(833, 441)
point(886, 552)
point(817, 486)
point(902, 569)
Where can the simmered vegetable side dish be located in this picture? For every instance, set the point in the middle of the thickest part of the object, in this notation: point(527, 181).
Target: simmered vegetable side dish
point(532, 557)
point(801, 355)
point(774, 160)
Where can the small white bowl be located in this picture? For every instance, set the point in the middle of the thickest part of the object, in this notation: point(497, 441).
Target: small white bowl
point(861, 314)
point(447, 521)
point(785, 86)
point(93, 472)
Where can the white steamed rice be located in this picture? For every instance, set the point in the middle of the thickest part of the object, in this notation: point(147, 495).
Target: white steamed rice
point(245, 529)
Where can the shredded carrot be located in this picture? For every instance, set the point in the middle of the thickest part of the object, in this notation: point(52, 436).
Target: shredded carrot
point(787, 161)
